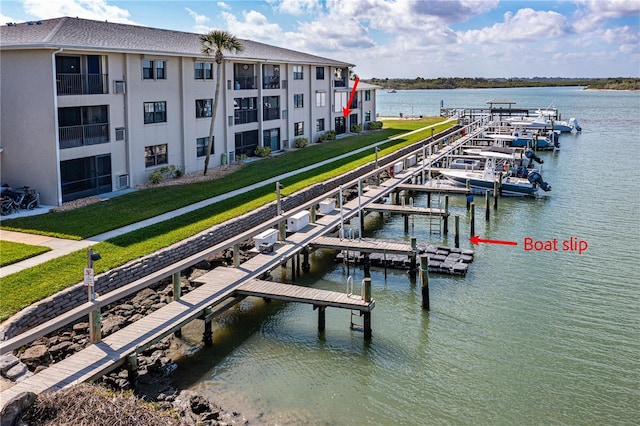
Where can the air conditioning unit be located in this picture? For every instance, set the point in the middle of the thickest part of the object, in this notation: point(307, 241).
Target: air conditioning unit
point(119, 87)
point(123, 181)
point(232, 157)
point(119, 133)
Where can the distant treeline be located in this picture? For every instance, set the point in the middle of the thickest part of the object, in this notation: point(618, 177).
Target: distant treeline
point(486, 83)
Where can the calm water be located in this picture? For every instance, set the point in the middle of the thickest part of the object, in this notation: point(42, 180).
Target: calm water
point(524, 338)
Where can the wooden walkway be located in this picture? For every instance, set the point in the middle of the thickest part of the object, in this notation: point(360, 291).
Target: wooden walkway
point(406, 209)
point(300, 294)
point(362, 245)
point(442, 188)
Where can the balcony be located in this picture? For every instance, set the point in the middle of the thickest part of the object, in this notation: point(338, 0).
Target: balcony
point(270, 114)
point(245, 116)
point(244, 83)
point(88, 134)
point(271, 82)
point(82, 84)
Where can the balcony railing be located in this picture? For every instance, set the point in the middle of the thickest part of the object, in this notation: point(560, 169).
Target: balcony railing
point(88, 134)
point(342, 82)
point(270, 114)
point(243, 83)
point(82, 84)
point(271, 82)
point(246, 116)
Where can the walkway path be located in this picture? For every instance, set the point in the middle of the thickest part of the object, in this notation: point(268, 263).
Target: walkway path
point(61, 247)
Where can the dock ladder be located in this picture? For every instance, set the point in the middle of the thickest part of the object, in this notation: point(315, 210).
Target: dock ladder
point(356, 321)
point(435, 221)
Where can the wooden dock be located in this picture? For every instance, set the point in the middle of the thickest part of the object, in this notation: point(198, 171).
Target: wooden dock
point(442, 188)
point(363, 245)
point(405, 209)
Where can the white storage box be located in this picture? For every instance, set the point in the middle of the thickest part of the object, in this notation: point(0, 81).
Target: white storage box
point(270, 236)
point(298, 221)
point(327, 206)
point(411, 161)
point(398, 167)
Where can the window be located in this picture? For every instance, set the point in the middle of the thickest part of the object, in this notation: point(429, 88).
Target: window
point(321, 99)
point(367, 116)
point(320, 125)
point(203, 71)
point(155, 112)
point(319, 73)
point(201, 146)
point(298, 128)
point(203, 108)
point(297, 72)
point(298, 100)
point(155, 155)
point(367, 95)
point(153, 70)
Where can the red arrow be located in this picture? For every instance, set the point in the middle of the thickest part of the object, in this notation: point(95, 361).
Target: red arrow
point(478, 240)
point(347, 110)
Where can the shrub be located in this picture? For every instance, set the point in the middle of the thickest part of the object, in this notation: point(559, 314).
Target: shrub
point(329, 135)
point(375, 125)
point(262, 151)
point(300, 142)
point(165, 172)
point(356, 128)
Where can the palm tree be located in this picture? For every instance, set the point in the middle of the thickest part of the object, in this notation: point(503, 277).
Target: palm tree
point(215, 42)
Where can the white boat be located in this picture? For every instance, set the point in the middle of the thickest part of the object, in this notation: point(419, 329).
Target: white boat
point(499, 167)
point(540, 122)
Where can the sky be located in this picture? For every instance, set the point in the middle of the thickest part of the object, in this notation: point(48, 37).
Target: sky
point(400, 38)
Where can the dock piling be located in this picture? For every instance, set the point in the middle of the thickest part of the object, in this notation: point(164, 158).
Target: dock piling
point(424, 278)
point(473, 219)
point(456, 231)
point(487, 211)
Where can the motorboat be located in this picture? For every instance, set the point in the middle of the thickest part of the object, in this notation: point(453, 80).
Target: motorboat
point(536, 141)
point(540, 122)
point(501, 167)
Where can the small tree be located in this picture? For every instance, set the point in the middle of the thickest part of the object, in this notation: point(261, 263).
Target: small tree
point(215, 42)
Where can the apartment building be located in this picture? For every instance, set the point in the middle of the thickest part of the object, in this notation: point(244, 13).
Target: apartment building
point(90, 107)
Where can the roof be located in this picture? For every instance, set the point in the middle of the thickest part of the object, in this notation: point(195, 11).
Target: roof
point(76, 33)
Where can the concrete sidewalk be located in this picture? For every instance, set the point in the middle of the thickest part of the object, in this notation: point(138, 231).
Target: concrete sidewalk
point(60, 247)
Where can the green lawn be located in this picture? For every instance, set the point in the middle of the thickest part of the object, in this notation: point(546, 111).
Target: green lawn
point(51, 277)
point(11, 252)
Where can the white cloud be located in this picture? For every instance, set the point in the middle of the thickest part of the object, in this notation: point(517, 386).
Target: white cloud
point(592, 14)
point(296, 7)
point(200, 21)
point(89, 9)
point(223, 5)
point(526, 25)
point(254, 26)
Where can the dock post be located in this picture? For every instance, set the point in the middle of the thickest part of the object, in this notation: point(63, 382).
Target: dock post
point(367, 315)
point(298, 264)
point(131, 364)
point(306, 266)
point(428, 199)
point(495, 195)
point(177, 293)
point(487, 211)
point(424, 278)
point(473, 219)
point(445, 219)
point(366, 265)
point(293, 267)
point(321, 317)
point(500, 183)
point(456, 231)
point(207, 335)
point(406, 222)
point(236, 255)
point(313, 214)
point(367, 325)
point(413, 267)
